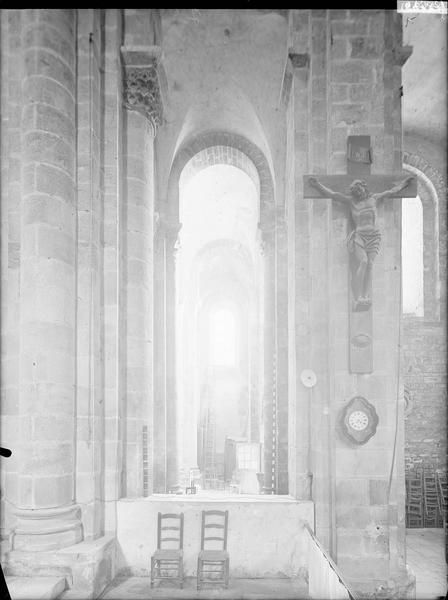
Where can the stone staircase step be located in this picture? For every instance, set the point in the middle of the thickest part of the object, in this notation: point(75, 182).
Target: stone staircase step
point(35, 588)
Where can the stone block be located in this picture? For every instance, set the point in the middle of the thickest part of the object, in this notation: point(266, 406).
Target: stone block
point(49, 458)
point(366, 47)
point(349, 114)
point(85, 487)
point(351, 492)
point(54, 244)
point(319, 36)
point(54, 490)
point(52, 181)
point(350, 542)
point(339, 49)
point(54, 428)
point(360, 92)
point(371, 462)
point(39, 61)
point(350, 27)
point(52, 39)
point(137, 168)
point(352, 72)
point(378, 491)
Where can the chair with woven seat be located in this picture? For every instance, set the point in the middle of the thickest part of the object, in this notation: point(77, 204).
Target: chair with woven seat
point(167, 562)
point(213, 563)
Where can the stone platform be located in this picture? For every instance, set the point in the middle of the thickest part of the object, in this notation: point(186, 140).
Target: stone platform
point(86, 568)
point(265, 537)
point(35, 588)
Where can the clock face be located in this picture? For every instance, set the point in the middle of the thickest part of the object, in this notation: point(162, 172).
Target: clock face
point(358, 420)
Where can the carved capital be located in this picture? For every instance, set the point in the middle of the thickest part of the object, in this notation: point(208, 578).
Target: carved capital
point(299, 61)
point(141, 85)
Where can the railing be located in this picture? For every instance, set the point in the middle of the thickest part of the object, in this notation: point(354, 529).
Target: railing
point(325, 581)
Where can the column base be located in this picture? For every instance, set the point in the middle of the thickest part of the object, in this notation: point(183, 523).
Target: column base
point(87, 567)
point(398, 587)
point(44, 529)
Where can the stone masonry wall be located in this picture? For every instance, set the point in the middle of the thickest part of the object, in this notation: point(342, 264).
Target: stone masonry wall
point(90, 384)
point(353, 88)
point(424, 355)
point(10, 255)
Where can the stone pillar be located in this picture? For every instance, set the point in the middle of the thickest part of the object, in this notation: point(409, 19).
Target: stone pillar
point(165, 407)
point(89, 372)
point(269, 389)
point(159, 414)
point(47, 517)
point(144, 108)
point(114, 237)
point(254, 368)
point(298, 222)
point(10, 112)
point(281, 343)
point(172, 467)
point(321, 397)
point(358, 489)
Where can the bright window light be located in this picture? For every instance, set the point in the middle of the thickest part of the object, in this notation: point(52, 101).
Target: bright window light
point(412, 256)
point(223, 338)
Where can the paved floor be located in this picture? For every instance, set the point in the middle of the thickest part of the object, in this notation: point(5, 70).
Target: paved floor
point(425, 554)
point(138, 588)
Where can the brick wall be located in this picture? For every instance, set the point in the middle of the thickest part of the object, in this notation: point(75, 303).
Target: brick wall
point(424, 355)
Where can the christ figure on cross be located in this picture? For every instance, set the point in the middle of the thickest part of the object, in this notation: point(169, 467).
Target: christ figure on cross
point(364, 240)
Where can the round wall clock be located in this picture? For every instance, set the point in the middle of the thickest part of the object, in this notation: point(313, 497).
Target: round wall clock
point(308, 378)
point(359, 420)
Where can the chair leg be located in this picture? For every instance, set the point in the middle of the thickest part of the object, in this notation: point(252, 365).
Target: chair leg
point(198, 586)
point(181, 573)
point(152, 571)
point(227, 572)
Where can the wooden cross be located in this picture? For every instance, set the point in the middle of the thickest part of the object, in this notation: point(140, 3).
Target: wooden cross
point(358, 191)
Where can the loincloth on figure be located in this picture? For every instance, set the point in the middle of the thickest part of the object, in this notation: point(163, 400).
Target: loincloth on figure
point(369, 241)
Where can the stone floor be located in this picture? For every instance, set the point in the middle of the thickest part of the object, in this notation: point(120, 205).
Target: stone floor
point(425, 551)
point(138, 588)
point(425, 556)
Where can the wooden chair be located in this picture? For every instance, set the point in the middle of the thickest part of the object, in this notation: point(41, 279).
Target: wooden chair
point(213, 564)
point(167, 563)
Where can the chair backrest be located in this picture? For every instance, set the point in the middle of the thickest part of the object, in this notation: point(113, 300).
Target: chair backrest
point(214, 527)
point(170, 531)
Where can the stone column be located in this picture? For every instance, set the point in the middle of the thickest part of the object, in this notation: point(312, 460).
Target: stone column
point(299, 219)
point(254, 369)
point(172, 467)
point(159, 416)
point(165, 407)
point(143, 114)
point(113, 273)
point(89, 291)
point(281, 345)
point(269, 393)
point(47, 517)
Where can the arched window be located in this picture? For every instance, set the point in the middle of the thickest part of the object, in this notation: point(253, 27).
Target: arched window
point(222, 338)
point(412, 256)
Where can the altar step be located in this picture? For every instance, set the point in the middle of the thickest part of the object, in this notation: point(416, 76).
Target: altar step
point(138, 588)
point(35, 588)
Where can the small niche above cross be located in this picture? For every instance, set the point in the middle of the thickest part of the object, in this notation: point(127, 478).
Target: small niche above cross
point(360, 192)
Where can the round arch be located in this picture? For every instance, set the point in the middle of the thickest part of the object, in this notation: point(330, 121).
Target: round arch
point(210, 139)
point(275, 452)
point(432, 193)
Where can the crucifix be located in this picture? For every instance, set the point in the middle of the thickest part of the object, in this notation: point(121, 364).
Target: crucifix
point(361, 197)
